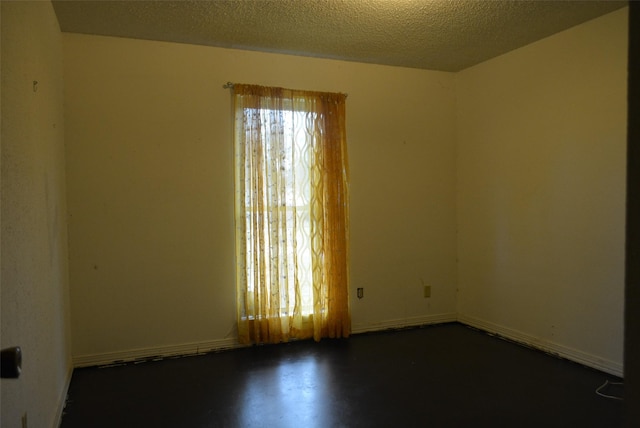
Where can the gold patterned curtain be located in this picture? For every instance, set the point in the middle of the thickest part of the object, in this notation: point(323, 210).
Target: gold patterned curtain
point(291, 214)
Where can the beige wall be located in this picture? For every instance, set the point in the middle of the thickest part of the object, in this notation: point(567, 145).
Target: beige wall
point(150, 189)
point(540, 175)
point(523, 154)
point(541, 191)
point(34, 287)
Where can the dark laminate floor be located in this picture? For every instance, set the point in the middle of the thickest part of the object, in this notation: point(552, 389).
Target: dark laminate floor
point(440, 376)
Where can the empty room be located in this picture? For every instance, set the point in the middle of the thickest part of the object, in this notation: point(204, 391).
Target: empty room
point(451, 254)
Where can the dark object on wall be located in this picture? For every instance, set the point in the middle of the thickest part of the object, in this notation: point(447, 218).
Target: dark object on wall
point(11, 362)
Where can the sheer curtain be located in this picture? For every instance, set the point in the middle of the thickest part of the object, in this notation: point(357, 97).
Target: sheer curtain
point(291, 214)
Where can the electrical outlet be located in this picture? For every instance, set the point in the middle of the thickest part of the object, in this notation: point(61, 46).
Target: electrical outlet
point(427, 291)
point(360, 293)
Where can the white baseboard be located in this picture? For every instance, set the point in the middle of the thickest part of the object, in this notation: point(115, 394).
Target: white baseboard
point(404, 322)
point(575, 355)
point(142, 354)
point(62, 400)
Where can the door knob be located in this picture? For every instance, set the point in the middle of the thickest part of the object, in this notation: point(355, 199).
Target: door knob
point(11, 362)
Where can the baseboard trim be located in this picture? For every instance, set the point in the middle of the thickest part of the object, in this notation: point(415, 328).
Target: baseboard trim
point(195, 348)
point(153, 353)
point(574, 355)
point(404, 323)
point(62, 400)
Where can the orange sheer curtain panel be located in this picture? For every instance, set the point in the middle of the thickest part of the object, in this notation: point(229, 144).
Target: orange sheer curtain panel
point(292, 214)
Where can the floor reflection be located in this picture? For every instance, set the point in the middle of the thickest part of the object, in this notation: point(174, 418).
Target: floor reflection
point(297, 393)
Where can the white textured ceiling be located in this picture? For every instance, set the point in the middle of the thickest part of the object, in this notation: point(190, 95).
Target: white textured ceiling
point(447, 35)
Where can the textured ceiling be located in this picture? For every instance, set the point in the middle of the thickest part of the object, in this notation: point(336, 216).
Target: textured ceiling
point(447, 35)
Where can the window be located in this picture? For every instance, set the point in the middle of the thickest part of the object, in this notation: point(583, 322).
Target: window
point(281, 218)
point(291, 214)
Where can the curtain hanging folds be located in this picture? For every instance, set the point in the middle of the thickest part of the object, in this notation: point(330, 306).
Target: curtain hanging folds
point(292, 214)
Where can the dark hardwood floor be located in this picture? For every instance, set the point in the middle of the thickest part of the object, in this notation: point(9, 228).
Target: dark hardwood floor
point(439, 376)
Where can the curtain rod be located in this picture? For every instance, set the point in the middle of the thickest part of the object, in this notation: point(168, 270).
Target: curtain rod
point(230, 85)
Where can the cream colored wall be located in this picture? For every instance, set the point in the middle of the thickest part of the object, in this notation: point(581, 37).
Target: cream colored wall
point(541, 191)
point(150, 189)
point(34, 289)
